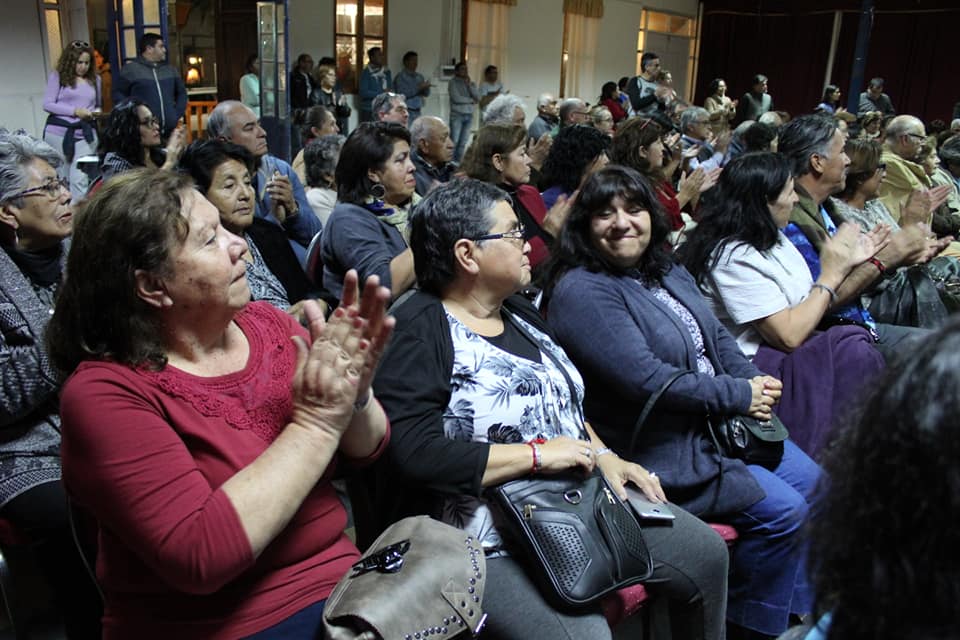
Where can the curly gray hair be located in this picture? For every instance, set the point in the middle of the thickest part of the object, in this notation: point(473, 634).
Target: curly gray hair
point(502, 108)
point(17, 150)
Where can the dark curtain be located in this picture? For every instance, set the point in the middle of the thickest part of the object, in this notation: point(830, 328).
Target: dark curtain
point(912, 46)
point(737, 46)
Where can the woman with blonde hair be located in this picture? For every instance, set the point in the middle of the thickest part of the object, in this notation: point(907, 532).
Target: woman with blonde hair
point(73, 98)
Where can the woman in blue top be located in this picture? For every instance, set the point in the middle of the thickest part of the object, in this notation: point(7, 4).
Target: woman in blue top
point(630, 318)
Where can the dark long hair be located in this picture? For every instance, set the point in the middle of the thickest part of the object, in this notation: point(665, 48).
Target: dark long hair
point(574, 247)
point(368, 147)
point(573, 151)
point(130, 224)
point(884, 540)
point(121, 134)
point(630, 137)
point(740, 212)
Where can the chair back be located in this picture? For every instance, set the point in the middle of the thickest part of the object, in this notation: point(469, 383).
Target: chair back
point(196, 116)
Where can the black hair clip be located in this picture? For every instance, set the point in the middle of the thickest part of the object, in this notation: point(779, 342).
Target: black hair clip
point(386, 560)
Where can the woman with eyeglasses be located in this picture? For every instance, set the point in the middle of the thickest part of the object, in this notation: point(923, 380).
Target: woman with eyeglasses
point(478, 393)
point(73, 99)
point(131, 138)
point(36, 217)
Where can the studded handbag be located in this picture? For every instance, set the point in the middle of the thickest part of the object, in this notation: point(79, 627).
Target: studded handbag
point(420, 579)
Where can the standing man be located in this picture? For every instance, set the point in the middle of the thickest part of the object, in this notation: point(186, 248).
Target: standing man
point(412, 85)
point(151, 80)
point(431, 151)
point(301, 86)
point(755, 102)
point(463, 102)
point(374, 80)
point(874, 99)
point(280, 198)
point(390, 107)
point(646, 95)
point(491, 87)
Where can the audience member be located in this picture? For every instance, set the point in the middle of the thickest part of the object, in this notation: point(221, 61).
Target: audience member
point(905, 136)
point(638, 145)
point(390, 107)
point(646, 96)
point(630, 318)
point(759, 287)
point(721, 108)
point(327, 94)
point(431, 151)
point(505, 109)
point(870, 125)
point(610, 97)
point(221, 172)
point(491, 87)
point(815, 147)
point(695, 126)
point(412, 85)
point(874, 99)
point(499, 157)
point(546, 118)
point(301, 82)
point(830, 102)
point(756, 101)
point(576, 154)
point(944, 215)
point(151, 80)
point(950, 157)
point(368, 229)
point(759, 137)
point(279, 193)
point(465, 322)
point(250, 84)
point(772, 119)
point(665, 81)
point(600, 118)
point(374, 80)
point(131, 138)
point(571, 111)
point(463, 103)
point(320, 157)
point(36, 217)
point(199, 436)
point(314, 122)
point(73, 100)
point(872, 571)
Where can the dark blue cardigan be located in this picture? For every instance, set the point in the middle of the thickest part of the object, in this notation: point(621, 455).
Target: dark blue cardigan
point(626, 344)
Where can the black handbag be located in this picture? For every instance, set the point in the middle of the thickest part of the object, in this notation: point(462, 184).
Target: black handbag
point(580, 538)
point(743, 437)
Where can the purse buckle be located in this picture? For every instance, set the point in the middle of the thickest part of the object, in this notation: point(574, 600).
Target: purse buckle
point(386, 560)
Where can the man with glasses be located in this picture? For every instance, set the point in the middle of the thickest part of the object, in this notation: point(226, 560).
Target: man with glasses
point(572, 111)
point(391, 107)
point(695, 124)
point(150, 79)
point(905, 135)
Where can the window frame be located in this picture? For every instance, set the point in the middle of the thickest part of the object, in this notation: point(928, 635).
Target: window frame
point(359, 38)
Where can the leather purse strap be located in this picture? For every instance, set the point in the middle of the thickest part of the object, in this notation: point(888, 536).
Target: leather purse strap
point(648, 408)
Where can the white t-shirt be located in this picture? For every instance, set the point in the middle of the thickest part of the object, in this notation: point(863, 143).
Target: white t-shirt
point(748, 285)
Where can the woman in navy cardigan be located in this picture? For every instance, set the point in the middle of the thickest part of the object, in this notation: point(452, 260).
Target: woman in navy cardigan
point(630, 318)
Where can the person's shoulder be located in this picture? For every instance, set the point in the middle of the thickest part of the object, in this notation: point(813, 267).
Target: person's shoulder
point(420, 313)
point(279, 163)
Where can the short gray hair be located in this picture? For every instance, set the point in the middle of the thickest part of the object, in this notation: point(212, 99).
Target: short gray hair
point(17, 150)
point(502, 108)
point(381, 104)
point(320, 158)
point(544, 99)
point(901, 125)
point(218, 125)
point(691, 115)
point(568, 105)
point(421, 129)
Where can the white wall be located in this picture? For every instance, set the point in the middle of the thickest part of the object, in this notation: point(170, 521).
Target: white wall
point(23, 74)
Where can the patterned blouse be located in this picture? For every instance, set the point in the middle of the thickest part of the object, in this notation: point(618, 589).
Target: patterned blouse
point(501, 398)
point(263, 284)
point(703, 362)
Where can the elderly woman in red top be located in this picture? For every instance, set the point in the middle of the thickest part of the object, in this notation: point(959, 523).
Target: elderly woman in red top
point(200, 429)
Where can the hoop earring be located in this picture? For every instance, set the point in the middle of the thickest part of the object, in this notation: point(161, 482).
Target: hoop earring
point(378, 191)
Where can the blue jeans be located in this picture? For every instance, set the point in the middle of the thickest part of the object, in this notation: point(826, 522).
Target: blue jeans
point(768, 578)
point(306, 623)
point(459, 132)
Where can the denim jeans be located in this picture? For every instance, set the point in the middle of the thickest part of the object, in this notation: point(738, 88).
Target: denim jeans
point(306, 623)
point(459, 132)
point(768, 580)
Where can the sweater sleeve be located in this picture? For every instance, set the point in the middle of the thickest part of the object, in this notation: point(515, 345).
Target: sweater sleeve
point(592, 321)
point(353, 240)
point(413, 385)
point(125, 463)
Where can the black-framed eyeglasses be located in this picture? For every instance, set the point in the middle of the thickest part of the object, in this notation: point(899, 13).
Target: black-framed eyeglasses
point(52, 189)
point(917, 136)
point(515, 234)
point(386, 560)
point(150, 122)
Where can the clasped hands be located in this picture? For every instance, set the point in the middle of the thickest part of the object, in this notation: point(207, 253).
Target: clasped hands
point(336, 369)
